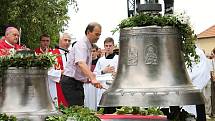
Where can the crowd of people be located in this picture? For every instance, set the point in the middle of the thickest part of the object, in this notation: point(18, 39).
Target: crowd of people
point(72, 80)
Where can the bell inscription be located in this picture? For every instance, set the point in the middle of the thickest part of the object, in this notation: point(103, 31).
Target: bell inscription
point(132, 56)
point(151, 55)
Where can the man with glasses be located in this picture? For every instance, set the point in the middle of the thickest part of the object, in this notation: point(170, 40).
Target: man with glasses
point(9, 41)
point(45, 41)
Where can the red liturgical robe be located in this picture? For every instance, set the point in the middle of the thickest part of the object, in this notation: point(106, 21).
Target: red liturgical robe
point(40, 51)
point(5, 47)
point(59, 66)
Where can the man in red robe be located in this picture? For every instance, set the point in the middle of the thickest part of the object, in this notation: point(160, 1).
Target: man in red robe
point(9, 41)
point(44, 44)
point(55, 73)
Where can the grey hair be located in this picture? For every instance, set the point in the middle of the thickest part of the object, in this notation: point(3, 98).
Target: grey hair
point(65, 34)
point(8, 30)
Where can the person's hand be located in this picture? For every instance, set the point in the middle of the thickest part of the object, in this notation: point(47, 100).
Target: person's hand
point(114, 75)
point(23, 47)
point(212, 76)
point(96, 84)
point(108, 69)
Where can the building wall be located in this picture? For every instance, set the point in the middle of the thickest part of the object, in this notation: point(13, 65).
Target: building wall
point(207, 44)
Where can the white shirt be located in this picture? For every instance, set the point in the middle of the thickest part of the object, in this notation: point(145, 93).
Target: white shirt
point(81, 51)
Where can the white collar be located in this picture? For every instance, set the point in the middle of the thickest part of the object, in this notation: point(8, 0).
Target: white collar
point(9, 43)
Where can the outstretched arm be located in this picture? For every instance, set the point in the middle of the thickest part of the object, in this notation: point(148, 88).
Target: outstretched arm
point(87, 72)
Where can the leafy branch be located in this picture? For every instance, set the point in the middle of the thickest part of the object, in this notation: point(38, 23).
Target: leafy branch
point(27, 60)
point(139, 110)
point(78, 113)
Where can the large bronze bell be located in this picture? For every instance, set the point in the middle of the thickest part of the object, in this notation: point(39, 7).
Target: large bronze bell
point(25, 94)
point(151, 71)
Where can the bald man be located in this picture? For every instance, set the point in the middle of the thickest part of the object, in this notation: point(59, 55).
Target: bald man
point(9, 41)
point(55, 73)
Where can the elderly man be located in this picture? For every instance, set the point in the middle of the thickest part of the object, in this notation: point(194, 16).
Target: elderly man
point(55, 73)
point(9, 41)
point(77, 70)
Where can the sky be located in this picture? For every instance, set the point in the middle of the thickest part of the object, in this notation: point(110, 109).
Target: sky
point(109, 13)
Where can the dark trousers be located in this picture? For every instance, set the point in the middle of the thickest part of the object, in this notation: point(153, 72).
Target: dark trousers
point(73, 90)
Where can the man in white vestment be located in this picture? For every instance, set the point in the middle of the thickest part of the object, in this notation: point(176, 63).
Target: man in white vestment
point(106, 65)
point(199, 74)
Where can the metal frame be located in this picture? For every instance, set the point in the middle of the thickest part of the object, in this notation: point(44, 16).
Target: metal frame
point(131, 7)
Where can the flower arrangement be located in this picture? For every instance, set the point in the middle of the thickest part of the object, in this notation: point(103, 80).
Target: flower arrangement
point(180, 22)
point(27, 59)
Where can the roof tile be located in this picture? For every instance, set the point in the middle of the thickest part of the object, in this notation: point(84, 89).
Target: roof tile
point(210, 32)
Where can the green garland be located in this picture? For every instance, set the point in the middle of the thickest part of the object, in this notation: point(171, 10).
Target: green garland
point(27, 60)
point(77, 113)
point(139, 110)
point(187, 35)
point(80, 113)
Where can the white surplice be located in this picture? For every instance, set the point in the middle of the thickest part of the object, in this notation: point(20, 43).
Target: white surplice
point(100, 65)
point(199, 75)
point(53, 77)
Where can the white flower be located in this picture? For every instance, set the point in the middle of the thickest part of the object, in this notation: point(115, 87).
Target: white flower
point(182, 17)
point(12, 51)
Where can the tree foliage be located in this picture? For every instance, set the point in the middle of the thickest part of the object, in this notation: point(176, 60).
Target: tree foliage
point(36, 17)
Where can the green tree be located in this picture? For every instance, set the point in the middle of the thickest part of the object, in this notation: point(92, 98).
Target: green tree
point(36, 17)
